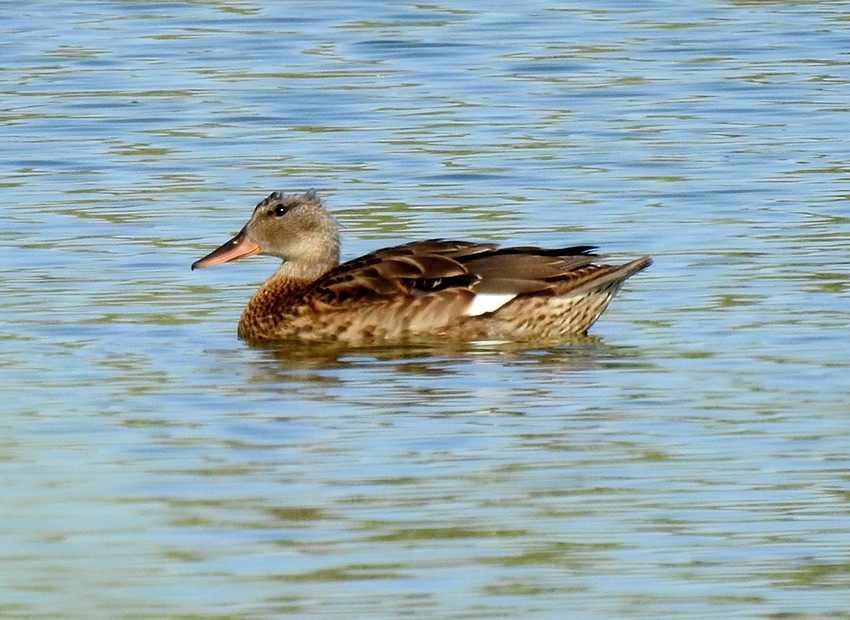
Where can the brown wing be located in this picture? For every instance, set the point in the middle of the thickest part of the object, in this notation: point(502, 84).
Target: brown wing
point(421, 267)
point(404, 270)
point(521, 270)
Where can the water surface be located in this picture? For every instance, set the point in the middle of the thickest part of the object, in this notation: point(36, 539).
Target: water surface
point(688, 460)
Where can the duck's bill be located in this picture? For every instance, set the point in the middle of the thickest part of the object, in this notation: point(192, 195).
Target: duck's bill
point(237, 247)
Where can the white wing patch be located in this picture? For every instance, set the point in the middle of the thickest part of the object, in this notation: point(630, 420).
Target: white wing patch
point(483, 303)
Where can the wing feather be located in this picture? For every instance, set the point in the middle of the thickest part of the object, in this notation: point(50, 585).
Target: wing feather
point(456, 269)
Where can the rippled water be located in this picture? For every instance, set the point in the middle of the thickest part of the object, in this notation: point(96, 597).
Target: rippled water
point(689, 460)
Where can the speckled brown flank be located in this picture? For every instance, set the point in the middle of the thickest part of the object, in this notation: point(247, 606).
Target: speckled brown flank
point(422, 288)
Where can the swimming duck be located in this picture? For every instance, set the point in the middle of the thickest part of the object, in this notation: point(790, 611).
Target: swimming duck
point(434, 288)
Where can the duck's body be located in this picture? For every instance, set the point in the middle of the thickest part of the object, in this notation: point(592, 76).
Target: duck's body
point(436, 288)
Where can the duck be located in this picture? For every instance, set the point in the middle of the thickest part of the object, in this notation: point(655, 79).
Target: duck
point(436, 288)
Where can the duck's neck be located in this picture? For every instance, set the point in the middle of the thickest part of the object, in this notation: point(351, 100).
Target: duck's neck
point(306, 271)
point(294, 275)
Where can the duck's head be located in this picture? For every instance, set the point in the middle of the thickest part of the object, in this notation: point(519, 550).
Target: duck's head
point(293, 227)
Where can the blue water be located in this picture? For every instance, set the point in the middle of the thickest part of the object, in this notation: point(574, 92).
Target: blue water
point(691, 461)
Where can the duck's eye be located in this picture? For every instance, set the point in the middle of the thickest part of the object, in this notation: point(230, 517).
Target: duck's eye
point(280, 210)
